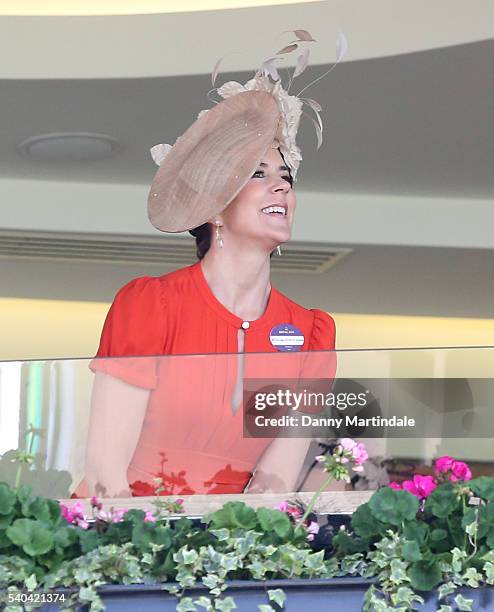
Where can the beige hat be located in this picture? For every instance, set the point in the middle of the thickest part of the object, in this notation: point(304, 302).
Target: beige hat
point(207, 166)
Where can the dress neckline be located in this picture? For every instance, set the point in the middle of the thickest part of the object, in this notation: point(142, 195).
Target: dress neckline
point(205, 291)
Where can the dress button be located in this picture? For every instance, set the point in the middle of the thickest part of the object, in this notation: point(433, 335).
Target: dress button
point(245, 325)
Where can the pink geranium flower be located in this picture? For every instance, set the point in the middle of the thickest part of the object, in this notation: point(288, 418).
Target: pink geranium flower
point(460, 471)
point(420, 486)
point(282, 506)
point(358, 453)
point(149, 518)
point(443, 464)
point(74, 515)
point(395, 485)
point(456, 470)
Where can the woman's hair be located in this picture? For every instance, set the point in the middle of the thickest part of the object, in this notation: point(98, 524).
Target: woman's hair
point(203, 232)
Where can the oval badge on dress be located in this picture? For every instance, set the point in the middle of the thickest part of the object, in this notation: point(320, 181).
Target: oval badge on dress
point(286, 337)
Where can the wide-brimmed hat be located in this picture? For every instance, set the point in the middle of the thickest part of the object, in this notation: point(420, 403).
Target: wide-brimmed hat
point(207, 166)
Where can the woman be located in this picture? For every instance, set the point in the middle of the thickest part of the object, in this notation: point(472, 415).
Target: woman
point(229, 181)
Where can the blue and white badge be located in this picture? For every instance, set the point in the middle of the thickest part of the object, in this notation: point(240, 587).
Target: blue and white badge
point(286, 337)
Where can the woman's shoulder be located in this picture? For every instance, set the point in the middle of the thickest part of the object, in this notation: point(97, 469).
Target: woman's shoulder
point(321, 323)
point(160, 288)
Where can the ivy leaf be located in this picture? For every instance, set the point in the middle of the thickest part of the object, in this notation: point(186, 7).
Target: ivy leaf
point(411, 551)
point(234, 514)
point(465, 605)
point(7, 498)
point(483, 487)
point(424, 575)
point(225, 605)
point(442, 501)
point(394, 507)
point(274, 520)
point(278, 596)
point(32, 536)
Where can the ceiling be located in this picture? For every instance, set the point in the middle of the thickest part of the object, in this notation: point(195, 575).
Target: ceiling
point(408, 114)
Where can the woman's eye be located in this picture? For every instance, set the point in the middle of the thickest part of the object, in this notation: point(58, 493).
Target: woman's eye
point(260, 174)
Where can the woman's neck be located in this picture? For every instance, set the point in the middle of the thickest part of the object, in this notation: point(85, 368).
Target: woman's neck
point(239, 280)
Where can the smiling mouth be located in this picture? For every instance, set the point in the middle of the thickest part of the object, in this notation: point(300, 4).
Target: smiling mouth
point(280, 211)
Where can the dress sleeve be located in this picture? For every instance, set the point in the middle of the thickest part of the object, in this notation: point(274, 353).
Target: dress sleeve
point(319, 368)
point(133, 334)
point(323, 337)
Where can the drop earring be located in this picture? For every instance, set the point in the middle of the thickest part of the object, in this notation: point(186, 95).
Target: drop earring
point(219, 239)
point(278, 250)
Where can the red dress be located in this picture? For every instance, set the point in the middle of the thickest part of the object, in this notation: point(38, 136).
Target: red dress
point(191, 437)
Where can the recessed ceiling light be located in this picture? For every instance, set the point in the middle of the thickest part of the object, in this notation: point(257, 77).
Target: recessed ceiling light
point(69, 146)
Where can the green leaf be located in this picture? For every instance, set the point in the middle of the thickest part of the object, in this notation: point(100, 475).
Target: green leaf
point(365, 525)
point(6, 520)
point(347, 545)
point(234, 514)
point(186, 605)
point(32, 536)
point(7, 498)
point(274, 520)
point(411, 551)
point(490, 539)
point(4, 540)
point(465, 605)
point(424, 576)
point(394, 507)
point(64, 537)
point(278, 596)
point(483, 487)
point(89, 540)
point(225, 605)
point(415, 531)
point(437, 535)
point(25, 496)
point(135, 516)
point(442, 502)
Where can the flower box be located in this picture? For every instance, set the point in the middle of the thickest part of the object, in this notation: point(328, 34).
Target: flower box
point(315, 595)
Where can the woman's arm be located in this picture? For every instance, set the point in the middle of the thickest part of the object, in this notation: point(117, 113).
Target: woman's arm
point(278, 470)
point(117, 415)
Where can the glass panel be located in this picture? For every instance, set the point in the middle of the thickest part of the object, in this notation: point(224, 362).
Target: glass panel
point(235, 424)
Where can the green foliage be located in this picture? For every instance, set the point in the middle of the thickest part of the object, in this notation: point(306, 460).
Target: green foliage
point(410, 547)
point(442, 502)
point(393, 507)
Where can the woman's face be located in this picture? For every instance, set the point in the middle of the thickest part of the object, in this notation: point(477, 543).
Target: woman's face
point(246, 219)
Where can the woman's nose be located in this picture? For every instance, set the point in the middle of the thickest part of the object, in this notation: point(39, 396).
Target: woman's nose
point(281, 185)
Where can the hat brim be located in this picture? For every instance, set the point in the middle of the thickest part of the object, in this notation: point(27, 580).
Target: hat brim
point(208, 166)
